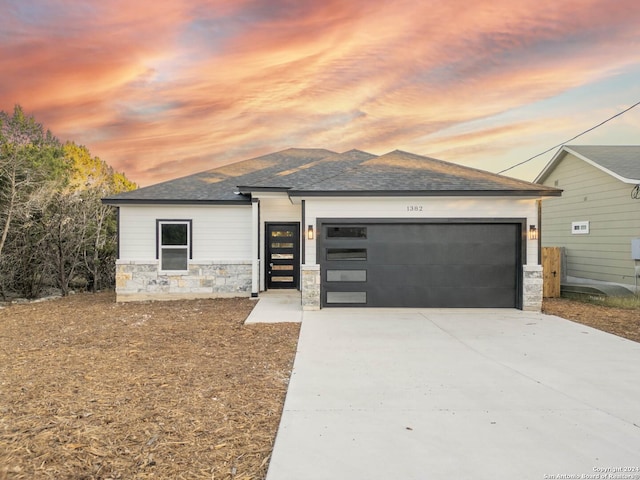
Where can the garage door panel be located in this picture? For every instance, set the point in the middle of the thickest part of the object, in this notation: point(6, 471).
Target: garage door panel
point(442, 297)
point(439, 244)
point(478, 297)
point(426, 265)
point(450, 276)
point(465, 276)
point(437, 254)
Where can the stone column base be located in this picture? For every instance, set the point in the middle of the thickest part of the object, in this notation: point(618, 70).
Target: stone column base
point(532, 288)
point(310, 287)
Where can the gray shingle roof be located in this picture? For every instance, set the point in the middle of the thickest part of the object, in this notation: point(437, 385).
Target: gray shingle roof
point(622, 161)
point(219, 184)
point(406, 172)
point(324, 169)
point(322, 172)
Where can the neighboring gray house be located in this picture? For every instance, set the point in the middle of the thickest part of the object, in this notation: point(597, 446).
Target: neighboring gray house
point(598, 216)
point(347, 229)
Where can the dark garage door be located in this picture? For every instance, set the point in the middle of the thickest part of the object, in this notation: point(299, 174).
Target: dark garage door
point(420, 264)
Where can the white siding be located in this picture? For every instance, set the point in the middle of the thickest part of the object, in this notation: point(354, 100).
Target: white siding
point(614, 218)
point(427, 207)
point(279, 209)
point(220, 233)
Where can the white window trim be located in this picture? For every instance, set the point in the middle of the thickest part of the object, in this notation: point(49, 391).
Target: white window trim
point(160, 247)
point(580, 228)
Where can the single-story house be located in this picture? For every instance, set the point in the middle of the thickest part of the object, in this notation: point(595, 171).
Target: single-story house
point(347, 229)
point(597, 220)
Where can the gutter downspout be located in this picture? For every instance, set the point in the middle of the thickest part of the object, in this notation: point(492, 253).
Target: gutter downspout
point(539, 202)
point(255, 247)
point(303, 234)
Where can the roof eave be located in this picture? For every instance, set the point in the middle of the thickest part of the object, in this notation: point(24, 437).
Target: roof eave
point(247, 189)
point(600, 167)
point(550, 165)
point(139, 201)
point(427, 193)
point(562, 153)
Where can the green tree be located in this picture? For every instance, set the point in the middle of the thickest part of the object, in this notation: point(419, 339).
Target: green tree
point(29, 156)
point(25, 266)
point(90, 181)
point(54, 229)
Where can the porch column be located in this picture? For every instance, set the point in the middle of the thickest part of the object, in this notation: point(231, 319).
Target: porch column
point(255, 247)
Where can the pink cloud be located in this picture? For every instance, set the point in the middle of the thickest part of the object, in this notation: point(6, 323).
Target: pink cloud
point(200, 83)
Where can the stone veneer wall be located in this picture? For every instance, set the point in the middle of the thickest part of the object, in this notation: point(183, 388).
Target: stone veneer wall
point(310, 287)
point(142, 281)
point(532, 288)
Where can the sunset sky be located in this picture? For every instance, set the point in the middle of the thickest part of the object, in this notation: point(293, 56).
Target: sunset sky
point(164, 88)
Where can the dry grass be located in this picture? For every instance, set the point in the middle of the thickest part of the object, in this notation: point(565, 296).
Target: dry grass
point(629, 302)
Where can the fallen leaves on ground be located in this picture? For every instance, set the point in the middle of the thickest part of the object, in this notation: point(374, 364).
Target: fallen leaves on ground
point(93, 389)
point(619, 321)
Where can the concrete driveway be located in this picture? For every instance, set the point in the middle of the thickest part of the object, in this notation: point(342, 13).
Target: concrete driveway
point(482, 394)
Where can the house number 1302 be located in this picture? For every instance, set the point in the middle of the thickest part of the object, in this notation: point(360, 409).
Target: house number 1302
point(414, 208)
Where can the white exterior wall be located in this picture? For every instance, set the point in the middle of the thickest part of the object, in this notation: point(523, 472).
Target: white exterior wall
point(224, 247)
point(221, 264)
point(220, 233)
point(427, 207)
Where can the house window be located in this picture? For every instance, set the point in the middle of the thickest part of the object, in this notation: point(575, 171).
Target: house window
point(579, 228)
point(174, 244)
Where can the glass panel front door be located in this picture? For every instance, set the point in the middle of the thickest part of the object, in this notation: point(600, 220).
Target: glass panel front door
point(283, 255)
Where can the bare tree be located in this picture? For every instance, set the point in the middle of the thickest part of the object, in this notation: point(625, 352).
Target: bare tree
point(11, 184)
point(30, 158)
point(54, 228)
point(66, 232)
point(99, 256)
point(24, 262)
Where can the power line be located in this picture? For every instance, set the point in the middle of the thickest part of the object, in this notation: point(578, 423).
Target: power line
point(572, 138)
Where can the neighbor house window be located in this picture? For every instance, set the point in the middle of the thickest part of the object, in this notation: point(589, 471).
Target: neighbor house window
point(579, 228)
point(174, 244)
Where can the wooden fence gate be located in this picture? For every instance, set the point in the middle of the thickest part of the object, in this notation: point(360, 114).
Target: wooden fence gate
point(551, 262)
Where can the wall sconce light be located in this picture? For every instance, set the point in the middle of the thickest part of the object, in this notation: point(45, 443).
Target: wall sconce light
point(310, 232)
point(533, 232)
